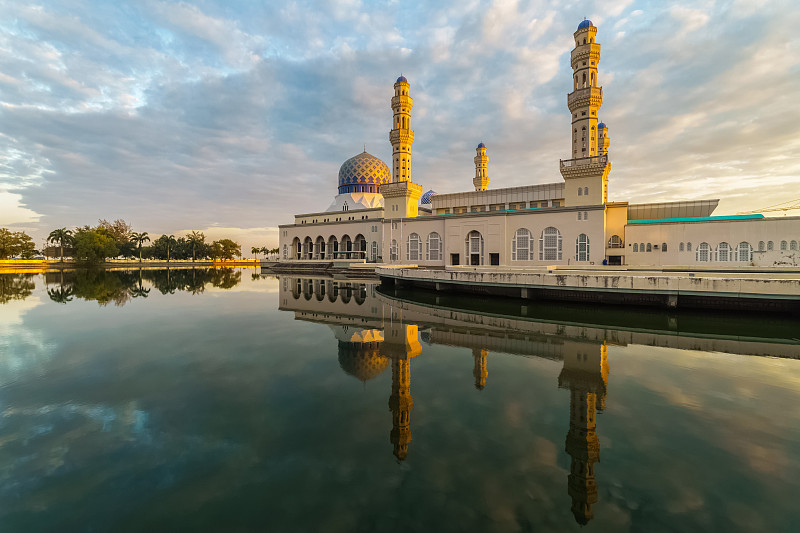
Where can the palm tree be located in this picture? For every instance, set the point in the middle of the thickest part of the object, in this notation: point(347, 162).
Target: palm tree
point(195, 238)
point(140, 238)
point(255, 251)
point(170, 243)
point(61, 236)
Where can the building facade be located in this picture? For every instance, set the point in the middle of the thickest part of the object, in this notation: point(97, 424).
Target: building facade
point(380, 215)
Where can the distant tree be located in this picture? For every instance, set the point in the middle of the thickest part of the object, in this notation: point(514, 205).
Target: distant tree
point(225, 249)
point(255, 251)
point(119, 230)
point(16, 244)
point(61, 236)
point(196, 239)
point(139, 238)
point(94, 245)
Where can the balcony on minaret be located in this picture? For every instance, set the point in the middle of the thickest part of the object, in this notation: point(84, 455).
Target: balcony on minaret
point(585, 96)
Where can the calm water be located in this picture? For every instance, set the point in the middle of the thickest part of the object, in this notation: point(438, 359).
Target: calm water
point(227, 401)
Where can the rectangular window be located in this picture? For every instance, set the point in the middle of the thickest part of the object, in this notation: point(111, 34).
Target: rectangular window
point(478, 208)
point(455, 259)
point(494, 259)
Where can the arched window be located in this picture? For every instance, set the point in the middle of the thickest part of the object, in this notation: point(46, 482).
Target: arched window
point(579, 215)
point(550, 245)
point(636, 247)
point(744, 252)
point(793, 245)
point(394, 250)
point(641, 247)
point(762, 246)
point(688, 247)
point(414, 247)
point(783, 246)
point(724, 252)
point(770, 246)
point(615, 242)
point(663, 247)
point(703, 252)
point(586, 191)
point(285, 252)
point(522, 245)
point(374, 251)
point(580, 192)
point(582, 248)
point(649, 247)
point(680, 247)
point(433, 247)
point(474, 248)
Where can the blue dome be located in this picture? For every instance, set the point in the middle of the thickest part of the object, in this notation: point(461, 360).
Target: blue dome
point(425, 199)
point(585, 23)
point(402, 79)
point(481, 145)
point(363, 173)
point(601, 126)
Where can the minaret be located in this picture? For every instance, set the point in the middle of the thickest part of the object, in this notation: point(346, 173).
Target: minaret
point(587, 170)
point(481, 179)
point(401, 196)
point(401, 136)
point(602, 139)
point(479, 371)
point(585, 374)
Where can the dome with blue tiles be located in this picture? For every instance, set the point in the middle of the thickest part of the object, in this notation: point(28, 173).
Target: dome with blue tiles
point(585, 23)
point(601, 126)
point(425, 199)
point(402, 79)
point(481, 145)
point(363, 173)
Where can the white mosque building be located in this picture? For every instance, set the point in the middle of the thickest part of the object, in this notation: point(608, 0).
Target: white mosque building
point(379, 215)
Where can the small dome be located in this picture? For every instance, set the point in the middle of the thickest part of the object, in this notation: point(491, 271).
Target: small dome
point(481, 145)
point(425, 199)
point(363, 170)
point(601, 126)
point(402, 79)
point(585, 23)
point(362, 360)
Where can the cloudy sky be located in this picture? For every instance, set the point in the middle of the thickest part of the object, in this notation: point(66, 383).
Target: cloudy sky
point(230, 116)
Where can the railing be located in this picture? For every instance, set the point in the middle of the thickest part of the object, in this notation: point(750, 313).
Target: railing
point(584, 92)
point(596, 159)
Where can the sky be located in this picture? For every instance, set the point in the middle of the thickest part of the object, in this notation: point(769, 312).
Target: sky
point(229, 117)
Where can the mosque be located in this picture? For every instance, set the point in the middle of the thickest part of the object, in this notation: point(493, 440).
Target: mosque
point(379, 215)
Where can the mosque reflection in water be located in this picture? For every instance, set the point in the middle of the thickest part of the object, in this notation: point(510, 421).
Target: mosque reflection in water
point(375, 331)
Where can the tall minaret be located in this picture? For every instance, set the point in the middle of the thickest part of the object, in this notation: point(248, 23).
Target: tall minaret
point(585, 171)
point(401, 136)
point(481, 179)
point(401, 196)
point(479, 371)
point(401, 344)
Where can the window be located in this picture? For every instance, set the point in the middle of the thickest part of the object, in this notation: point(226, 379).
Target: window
point(615, 242)
point(680, 247)
point(636, 247)
point(744, 252)
point(649, 247)
point(770, 246)
point(393, 251)
point(586, 215)
point(582, 248)
point(703, 252)
point(374, 251)
point(586, 189)
point(414, 247)
point(783, 246)
point(663, 247)
point(522, 245)
point(793, 245)
point(580, 191)
point(579, 215)
point(550, 245)
point(761, 246)
point(474, 248)
point(724, 252)
point(433, 247)
point(285, 251)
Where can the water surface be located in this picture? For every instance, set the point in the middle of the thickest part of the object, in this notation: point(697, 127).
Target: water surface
point(229, 401)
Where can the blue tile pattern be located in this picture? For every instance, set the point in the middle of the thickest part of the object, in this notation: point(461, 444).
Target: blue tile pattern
point(363, 169)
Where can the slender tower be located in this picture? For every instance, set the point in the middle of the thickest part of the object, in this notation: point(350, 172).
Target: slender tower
point(479, 371)
point(586, 173)
point(401, 196)
point(481, 179)
point(401, 136)
point(401, 344)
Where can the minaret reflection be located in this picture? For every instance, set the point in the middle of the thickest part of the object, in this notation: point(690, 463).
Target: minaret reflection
point(401, 345)
point(479, 370)
point(585, 374)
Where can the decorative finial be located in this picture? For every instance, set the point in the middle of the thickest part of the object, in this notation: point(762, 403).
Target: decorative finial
point(365, 147)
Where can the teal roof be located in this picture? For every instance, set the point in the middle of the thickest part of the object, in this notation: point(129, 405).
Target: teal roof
point(693, 219)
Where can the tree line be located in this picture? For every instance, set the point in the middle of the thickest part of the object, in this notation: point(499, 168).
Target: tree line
point(89, 244)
